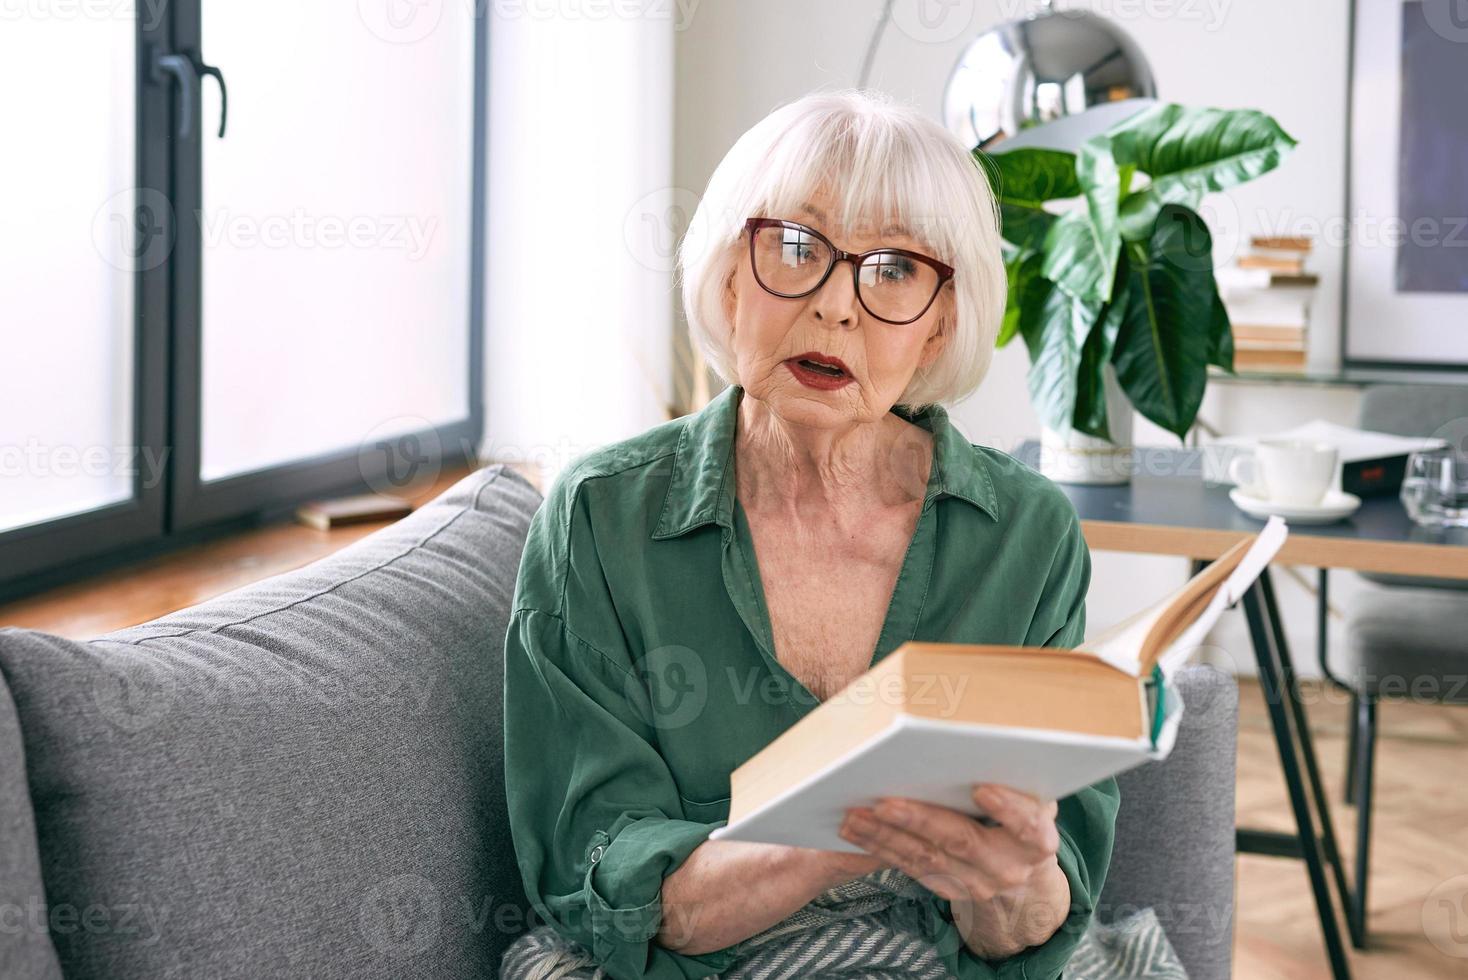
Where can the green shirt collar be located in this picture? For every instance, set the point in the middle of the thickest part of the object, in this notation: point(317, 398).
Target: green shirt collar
point(702, 491)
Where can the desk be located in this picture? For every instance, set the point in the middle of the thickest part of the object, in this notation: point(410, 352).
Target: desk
point(1168, 509)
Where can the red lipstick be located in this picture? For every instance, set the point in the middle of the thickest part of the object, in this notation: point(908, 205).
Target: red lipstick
point(816, 370)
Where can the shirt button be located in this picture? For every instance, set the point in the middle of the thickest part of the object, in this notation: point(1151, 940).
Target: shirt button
point(597, 852)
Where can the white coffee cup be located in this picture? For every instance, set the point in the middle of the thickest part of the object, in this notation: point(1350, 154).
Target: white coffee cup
point(1296, 472)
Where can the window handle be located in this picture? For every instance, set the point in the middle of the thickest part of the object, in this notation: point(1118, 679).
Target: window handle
point(218, 76)
point(185, 71)
point(181, 69)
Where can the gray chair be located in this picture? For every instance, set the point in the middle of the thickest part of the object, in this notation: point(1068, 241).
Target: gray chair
point(1175, 830)
point(1405, 639)
point(303, 777)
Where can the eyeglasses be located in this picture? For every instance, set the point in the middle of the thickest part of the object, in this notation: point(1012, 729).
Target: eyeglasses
point(792, 260)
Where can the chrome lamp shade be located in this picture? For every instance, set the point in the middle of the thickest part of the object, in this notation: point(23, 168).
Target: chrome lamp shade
point(1054, 80)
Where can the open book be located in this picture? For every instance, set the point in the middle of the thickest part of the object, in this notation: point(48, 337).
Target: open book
point(932, 719)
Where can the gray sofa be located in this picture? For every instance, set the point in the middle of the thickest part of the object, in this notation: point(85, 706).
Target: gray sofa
point(302, 778)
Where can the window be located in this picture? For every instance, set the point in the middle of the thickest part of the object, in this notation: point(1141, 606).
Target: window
point(200, 327)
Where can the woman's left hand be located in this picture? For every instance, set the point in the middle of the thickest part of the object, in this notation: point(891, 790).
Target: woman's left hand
point(972, 864)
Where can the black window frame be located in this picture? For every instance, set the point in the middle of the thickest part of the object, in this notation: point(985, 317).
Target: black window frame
point(179, 509)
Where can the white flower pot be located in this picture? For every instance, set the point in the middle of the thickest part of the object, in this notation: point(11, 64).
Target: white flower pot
point(1074, 457)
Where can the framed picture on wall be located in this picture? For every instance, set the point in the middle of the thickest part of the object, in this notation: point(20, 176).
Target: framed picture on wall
point(1405, 287)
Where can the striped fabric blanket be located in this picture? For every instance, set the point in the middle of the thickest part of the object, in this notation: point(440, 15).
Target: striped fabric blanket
point(867, 929)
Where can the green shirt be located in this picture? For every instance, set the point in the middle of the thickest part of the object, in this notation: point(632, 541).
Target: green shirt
point(640, 669)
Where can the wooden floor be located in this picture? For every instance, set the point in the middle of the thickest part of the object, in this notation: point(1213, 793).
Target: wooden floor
point(1419, 883)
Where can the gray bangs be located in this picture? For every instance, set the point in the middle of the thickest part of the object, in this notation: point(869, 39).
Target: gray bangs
point(878, 175)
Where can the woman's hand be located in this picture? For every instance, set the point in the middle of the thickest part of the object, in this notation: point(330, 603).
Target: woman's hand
point(1005, 884)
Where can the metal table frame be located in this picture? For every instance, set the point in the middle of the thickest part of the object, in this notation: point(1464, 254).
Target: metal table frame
point(1169, 509)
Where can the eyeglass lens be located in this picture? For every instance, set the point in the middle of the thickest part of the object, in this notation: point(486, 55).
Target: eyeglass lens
point(894, 287)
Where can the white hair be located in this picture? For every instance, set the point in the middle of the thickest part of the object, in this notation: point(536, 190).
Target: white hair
point(884, 159)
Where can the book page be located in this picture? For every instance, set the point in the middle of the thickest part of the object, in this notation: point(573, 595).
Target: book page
point(1121, 645)
point(1182, 618)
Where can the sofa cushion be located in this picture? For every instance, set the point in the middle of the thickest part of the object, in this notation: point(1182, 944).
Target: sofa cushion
point(300, 778)
point(25, 943)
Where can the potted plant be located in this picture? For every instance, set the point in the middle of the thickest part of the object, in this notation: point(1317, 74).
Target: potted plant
point(1115, 296)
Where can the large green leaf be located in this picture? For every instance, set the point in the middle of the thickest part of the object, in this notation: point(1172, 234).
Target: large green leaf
point(1223, 336)
point(1080, 251)
point(1023, 181)
point(1166, 336)
point(1188, 152)
point(1090, 408)
point(1020, 271)
point(1054, 324)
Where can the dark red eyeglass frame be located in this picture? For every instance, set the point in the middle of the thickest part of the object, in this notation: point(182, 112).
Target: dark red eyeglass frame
point(753, 225)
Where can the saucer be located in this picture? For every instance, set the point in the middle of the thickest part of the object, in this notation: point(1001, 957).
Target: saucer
point(1336, 505)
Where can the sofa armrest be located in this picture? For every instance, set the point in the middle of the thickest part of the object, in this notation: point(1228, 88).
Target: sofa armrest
point(1175, 837)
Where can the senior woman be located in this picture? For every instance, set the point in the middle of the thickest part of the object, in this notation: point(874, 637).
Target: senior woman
point(688, 594)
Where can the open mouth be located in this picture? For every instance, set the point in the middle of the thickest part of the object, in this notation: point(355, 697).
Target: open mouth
point(821, 368)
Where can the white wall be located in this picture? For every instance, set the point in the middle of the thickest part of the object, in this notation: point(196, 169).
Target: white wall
point(737, 61)
point(578, 316)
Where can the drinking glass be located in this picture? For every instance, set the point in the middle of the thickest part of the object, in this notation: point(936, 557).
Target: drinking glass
point(1435, 488)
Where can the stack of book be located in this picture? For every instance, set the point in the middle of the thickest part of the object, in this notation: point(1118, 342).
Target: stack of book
point(1267, 294)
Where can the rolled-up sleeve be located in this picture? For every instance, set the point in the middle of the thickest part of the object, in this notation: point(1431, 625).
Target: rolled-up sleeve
point(594, 812)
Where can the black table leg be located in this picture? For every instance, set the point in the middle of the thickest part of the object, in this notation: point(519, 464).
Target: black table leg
point(1312, 768)
point(1276, 678)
